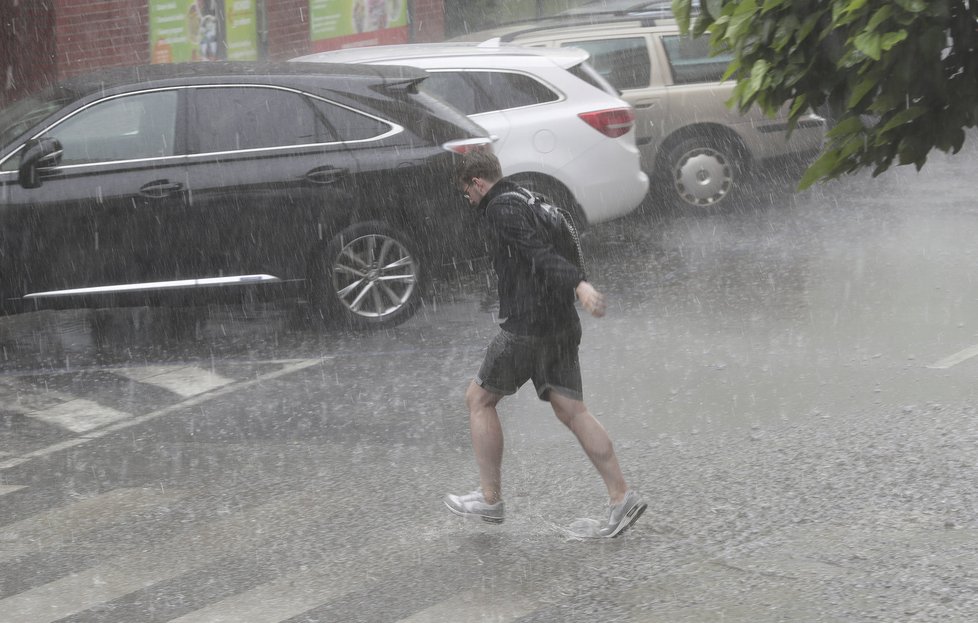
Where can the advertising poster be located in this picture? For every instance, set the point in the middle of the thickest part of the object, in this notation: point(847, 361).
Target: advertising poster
point(242, 30)
point(202, 30)
point(347, 23)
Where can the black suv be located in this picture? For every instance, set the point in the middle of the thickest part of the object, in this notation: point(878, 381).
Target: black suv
point(190, 184)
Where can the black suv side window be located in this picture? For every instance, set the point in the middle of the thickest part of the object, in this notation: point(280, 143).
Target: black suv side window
point(132, 127)
point(344, 124)
point(475, 92)
point(691, 61)
point(625, 63)
point(235, 118)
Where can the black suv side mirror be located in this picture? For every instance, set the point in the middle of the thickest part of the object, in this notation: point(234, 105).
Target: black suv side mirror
point(38, 152)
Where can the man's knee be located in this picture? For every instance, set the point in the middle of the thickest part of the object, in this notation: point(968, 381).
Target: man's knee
point(567, 409)
point(476, 397)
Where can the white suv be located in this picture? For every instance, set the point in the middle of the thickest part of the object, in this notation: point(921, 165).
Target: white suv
point(698, 151)
point(560, 128)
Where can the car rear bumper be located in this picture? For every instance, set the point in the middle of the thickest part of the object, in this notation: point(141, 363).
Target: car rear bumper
point(612, 190)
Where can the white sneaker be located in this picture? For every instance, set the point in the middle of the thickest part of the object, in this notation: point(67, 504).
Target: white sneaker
point(621, 516)
point(474, 505)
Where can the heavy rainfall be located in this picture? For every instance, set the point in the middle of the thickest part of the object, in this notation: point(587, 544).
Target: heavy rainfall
point(236, 390)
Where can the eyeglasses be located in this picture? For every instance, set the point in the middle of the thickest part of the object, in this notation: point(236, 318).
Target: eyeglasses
point(465, 189)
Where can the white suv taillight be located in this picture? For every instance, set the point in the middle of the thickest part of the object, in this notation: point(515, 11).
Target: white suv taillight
point(464, 146)
point(613, 122)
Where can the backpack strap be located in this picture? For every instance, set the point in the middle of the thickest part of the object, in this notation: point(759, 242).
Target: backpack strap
point(522, 193)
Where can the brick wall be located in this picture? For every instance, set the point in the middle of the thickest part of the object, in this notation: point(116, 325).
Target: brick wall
point(100, 33)
point(288, 28)
point(46, 40)
point(26, 48)
point(427, 20)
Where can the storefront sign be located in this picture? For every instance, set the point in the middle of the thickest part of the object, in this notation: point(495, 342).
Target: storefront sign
point(193, 30)
point(242, 30)
point(347, 23)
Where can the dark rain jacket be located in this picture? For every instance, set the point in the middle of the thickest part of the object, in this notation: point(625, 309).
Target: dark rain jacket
point(536, 284)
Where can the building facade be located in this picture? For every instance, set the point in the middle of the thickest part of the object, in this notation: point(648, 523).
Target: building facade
point(42, 41)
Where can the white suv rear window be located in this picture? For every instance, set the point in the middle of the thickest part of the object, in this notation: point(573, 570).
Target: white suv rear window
point(625, 63)
point(475, 92)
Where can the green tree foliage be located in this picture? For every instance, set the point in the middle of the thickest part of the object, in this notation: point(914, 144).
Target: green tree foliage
point(897, 77)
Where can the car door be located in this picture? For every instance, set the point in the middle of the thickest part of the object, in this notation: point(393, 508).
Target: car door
point(106, 217)
point(267, 178)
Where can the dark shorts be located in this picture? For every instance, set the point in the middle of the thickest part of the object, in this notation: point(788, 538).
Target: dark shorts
point(550, 361)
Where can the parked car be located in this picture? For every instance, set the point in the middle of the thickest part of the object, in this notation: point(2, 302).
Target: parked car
point(188, 184)
point(698, 151)
point(559, 127)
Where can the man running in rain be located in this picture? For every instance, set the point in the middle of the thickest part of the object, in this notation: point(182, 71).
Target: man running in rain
point(538, 340)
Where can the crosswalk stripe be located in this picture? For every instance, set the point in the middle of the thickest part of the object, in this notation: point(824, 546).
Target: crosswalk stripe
point(184, 381)
point(54, 527)
point(295, 366)
point(24, 398)
point(80, 591)
point(291, 595)
point(314, 585)
point(79, 415)
point(5, 489)
point(472, 606)
point(282, 599)
point(152, 564)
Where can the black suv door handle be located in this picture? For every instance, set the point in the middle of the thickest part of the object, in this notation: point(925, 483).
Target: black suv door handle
point(326, 175)
point(159, 189)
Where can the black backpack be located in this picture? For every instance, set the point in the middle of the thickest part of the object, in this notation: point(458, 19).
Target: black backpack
point(557, 225)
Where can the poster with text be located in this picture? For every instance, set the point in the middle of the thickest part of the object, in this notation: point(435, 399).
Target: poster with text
point(203, 30)
point(242, 30)
point(346, 23)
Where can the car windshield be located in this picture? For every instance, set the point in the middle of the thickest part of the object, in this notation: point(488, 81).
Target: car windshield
point(24, 113)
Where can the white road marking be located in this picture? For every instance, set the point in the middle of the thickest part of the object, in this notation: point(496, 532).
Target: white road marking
point(279, 600)
point(956, 358)
point(81, 591)
point(297, 365)
point(79, 415)
point(147, 565)
point(61, 525)
point(24, 399)
point(185, 381)
point(5, 489)
point(474, 605)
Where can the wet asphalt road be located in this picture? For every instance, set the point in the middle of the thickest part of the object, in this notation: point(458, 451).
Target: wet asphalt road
point(791, 386)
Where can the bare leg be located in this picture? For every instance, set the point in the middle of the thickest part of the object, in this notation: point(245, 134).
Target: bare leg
point(595, 441)
point(487, 439)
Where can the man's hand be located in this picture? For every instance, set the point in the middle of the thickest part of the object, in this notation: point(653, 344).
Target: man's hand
point(591, 299)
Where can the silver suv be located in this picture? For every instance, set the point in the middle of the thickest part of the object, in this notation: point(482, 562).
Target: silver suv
point(698, 152)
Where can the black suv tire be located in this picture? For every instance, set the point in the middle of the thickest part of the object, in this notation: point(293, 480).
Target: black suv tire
point(369, 277)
